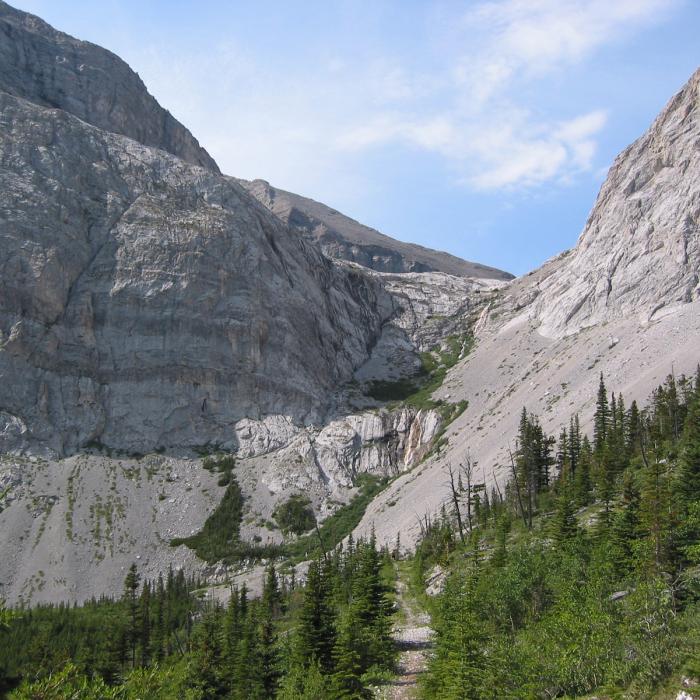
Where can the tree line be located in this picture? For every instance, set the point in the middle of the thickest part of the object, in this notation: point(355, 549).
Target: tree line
point(324, 637)
point(582, 573)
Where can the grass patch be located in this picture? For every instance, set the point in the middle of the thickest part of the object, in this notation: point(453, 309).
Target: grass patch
point(220, 534)
point(335, 528)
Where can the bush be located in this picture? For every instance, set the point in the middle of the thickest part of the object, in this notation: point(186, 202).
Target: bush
point(295, 516)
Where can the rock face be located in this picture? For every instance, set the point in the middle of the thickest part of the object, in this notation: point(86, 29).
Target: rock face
point(53, 69)
point(640, 250)
point(148, 302)
point(343, 238)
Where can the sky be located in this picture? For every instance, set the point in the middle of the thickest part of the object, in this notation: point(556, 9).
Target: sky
point(484, 127)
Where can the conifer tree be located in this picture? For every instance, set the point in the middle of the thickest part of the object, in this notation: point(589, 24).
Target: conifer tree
point(626, 528)
point(271, 598)
point(633, 429)
point(582, 479)
point(601, 419)
point(131, 601)
point(688, 481)
point(205, 670)
point(317, 621)
point(459, 667)
point(347, 657)
point(565, 526)
point(145, 615)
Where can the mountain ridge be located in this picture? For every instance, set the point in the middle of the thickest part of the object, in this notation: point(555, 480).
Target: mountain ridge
point(343, 238)
point(150, 304)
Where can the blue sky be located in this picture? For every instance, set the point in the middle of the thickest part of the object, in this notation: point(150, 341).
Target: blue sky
point(484, 128)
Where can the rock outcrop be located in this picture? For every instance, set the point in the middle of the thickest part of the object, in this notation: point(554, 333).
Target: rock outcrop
point(343, 238)
point(640, 250)
point(55, 70)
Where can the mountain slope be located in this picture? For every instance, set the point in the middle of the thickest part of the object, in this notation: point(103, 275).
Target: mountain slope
point(53, 69)
point(150, 304)
point(343, 238)
point(623, 302)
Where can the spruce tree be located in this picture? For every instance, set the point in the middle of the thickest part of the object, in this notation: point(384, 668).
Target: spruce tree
point(317, 621)
point(145, 615)
point(131, 601)
point(564, 524)
point(626, 527)
point(206, 670)
point(601, 419)
point(688, 481)
point(459, 666)
point(347, 656)
point(582, 479)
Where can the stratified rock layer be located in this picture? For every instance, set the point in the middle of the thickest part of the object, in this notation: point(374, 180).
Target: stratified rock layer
point(146, 302)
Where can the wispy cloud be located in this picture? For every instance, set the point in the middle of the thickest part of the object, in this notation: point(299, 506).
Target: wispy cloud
point(497, 140)
point(471, 104)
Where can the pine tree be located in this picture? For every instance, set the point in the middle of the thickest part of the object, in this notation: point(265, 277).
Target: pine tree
point(271, 598)
point(232, 628)
point(459, 666)
point(688, 482)
point(633, 429)
point(582, 479)
point(564, 524)
point(601, 419)
point(205, 669)
point(503, 526)
point(655, 502)
point(347, 657)
point(562, 458)
point(158, 637)
point(574, 443)
point(145, 615)
point(269, 657)
point(131, 600)
point(626, 527)
point(317, 621)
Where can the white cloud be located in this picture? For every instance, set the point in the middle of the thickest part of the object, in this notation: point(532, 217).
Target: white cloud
point(303, 125)
point(528, 38)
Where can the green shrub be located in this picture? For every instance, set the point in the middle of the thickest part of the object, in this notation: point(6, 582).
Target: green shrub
point(295, 515)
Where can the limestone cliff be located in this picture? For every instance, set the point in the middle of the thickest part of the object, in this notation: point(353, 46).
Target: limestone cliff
point(147, 302)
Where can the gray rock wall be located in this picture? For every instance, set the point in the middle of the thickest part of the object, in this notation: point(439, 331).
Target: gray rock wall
point(145, 302)
point(53, 69)
point(640, 250)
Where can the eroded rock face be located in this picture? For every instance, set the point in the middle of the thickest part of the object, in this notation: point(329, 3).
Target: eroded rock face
point(640, 250)
point(146, 302)
point(53, 69)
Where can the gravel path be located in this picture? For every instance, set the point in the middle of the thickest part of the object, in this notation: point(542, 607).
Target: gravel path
point(413, 638)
